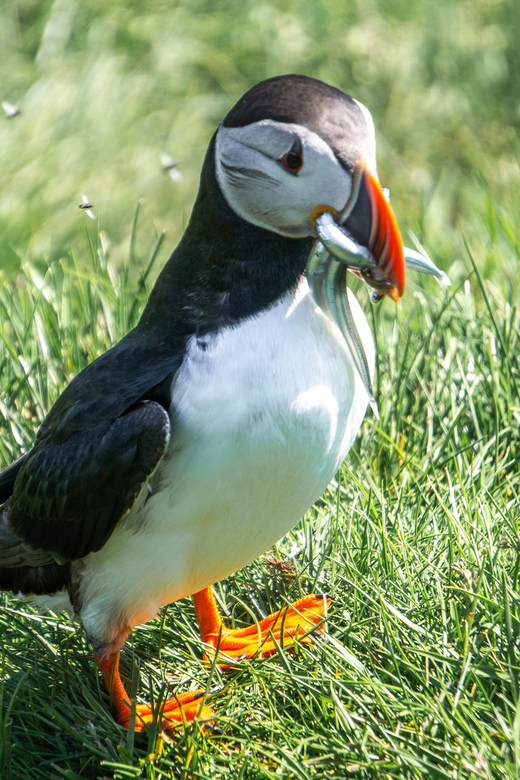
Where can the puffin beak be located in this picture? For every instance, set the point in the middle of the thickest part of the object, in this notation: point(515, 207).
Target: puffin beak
point(365, 236)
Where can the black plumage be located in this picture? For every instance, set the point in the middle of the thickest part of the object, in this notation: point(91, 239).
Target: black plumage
point(200, 438)
point(69, 496)
point(87, 467)
point(296, 99)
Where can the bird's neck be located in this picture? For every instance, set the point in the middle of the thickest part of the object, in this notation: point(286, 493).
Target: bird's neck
point(224, 269)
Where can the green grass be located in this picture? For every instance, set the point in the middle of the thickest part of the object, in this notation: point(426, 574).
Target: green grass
point(104, 88)
point(417, 539)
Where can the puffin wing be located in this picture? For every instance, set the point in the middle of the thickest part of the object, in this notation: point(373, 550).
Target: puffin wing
point(69, 496)
point(96, 449)
point(8, 478)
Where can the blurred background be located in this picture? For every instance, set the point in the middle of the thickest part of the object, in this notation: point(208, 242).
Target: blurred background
point(103, 98)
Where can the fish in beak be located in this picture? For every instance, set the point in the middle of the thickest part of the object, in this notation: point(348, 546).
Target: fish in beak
point(364, 235)
point(363, 238)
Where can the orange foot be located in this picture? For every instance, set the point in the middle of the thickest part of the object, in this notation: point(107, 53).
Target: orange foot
point(280, 628)
point(175, 712)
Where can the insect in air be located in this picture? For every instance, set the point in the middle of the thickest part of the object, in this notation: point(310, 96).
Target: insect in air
point(87, 207)
point(171, 167)
point(10, 110)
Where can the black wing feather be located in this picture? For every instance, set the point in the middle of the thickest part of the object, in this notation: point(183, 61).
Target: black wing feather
point(97, 447)
point(105, 389)
point(69, 496)
point(8, 477)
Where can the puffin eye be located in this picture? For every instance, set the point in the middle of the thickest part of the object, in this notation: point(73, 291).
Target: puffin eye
point(292, 160)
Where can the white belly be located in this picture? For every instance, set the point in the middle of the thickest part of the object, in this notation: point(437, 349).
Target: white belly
point(263, 417)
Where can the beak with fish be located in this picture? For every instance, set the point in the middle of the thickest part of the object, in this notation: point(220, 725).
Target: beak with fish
point(363, 238)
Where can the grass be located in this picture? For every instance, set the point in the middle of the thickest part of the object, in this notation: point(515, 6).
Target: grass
point(105, 88)
point(417, 538)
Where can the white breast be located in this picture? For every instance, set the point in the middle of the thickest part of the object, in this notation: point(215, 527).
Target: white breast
point(264, 415)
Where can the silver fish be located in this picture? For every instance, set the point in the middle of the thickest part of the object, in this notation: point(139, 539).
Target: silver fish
point(341, 245)
point(328, 282)
point(335, 252)
point(419, 261)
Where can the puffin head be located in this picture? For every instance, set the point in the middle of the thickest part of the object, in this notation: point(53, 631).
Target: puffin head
point(297, 157)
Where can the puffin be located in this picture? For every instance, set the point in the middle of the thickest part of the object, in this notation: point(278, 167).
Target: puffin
point(195, 443)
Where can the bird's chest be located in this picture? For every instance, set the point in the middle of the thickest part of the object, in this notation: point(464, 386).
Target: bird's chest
point(278, 389)
point(264, 415)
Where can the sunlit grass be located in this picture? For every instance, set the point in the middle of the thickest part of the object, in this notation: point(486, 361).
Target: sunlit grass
point(105, 88)
point(416, 540)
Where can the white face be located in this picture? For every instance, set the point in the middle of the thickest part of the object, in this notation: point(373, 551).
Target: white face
point(262, 191)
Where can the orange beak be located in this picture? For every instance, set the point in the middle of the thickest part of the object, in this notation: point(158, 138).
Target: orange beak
point(371, 223)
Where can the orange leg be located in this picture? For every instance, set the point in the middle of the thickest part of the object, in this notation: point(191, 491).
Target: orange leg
point(279, 628)
point(175, 711)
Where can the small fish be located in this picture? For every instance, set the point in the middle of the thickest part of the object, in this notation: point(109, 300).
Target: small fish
point(340, 244)
point(10, 110)
point(87, 207)
point(343, 247)
point(328, 282)
point(171, 167)
point(327, 265)
point(419, 261)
